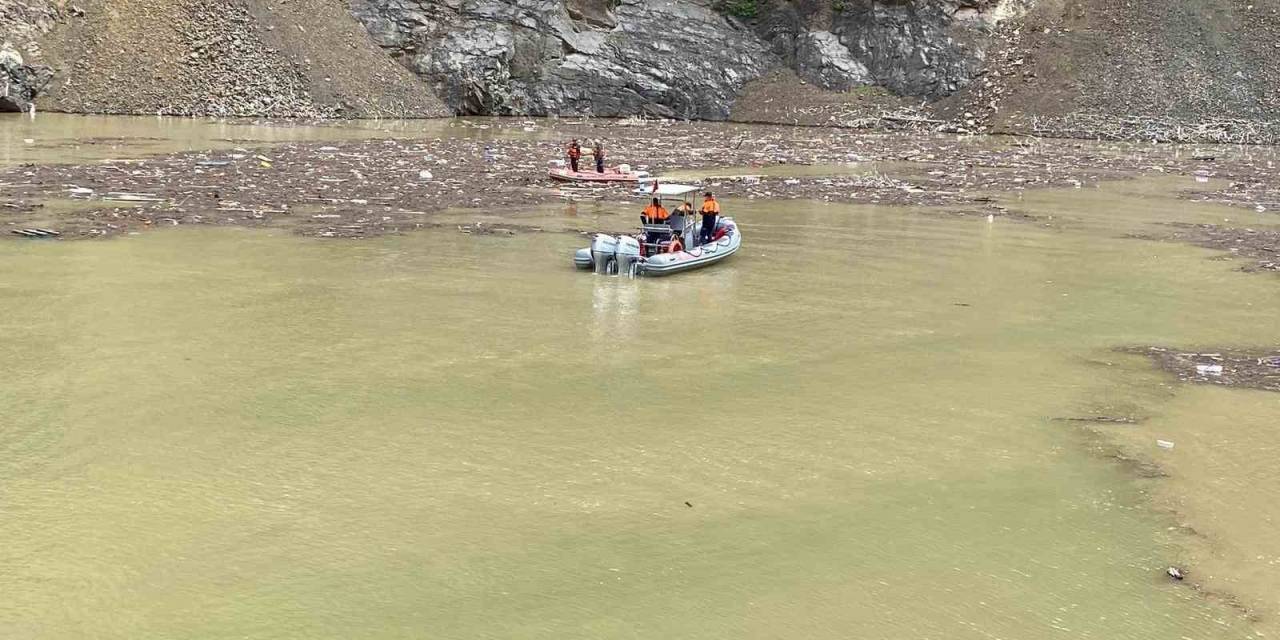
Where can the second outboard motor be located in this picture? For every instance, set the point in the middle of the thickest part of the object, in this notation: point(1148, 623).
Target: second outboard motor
point(603, 248)
point(627, 255)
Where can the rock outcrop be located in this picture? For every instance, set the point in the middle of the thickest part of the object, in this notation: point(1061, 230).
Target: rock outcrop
point(826, 62)
point(22, 77)
point(922, 48)
point(915, 48)
point(1086, 68)
point(675, 58)
point(327, 58)
point(672, 58)
point(20, 83)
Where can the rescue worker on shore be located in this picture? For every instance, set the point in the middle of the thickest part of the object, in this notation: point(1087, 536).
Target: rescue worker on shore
point(597, 150)
point(575, 153)
point(710, 211)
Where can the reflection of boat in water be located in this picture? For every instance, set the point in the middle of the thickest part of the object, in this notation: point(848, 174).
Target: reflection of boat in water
point(646, 253)
point(615, 313)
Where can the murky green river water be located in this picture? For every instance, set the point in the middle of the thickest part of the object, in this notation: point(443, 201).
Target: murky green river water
point(223, 433)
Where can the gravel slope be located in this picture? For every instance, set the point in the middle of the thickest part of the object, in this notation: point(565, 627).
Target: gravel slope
point(1134, 69)
point(288, 58)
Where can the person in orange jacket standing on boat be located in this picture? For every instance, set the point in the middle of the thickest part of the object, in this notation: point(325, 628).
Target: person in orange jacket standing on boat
point(710, 211)
point(575, 153)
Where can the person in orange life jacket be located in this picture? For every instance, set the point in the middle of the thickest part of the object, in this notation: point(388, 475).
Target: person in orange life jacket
point(686, 208)
point(655, 213)
point(575, 152)
point(710, 211)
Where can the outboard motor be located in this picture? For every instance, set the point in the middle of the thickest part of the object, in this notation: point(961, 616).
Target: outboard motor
point(627, 254)
point(603, 248)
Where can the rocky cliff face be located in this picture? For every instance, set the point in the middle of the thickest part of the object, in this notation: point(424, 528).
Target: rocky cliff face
point(22, 77)
point(326, 58)
point(20, 83)
point(925, 48)
point(1120, 69)
point(673, 58)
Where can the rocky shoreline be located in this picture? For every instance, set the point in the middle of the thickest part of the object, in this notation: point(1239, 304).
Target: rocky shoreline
point(1023, 67)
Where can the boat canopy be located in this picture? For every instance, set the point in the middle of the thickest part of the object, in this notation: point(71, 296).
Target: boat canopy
point(647, 188)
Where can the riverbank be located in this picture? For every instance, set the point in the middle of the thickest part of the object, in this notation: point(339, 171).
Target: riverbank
point(1088, 69)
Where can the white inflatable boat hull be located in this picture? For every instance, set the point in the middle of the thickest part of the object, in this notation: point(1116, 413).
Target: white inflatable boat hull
point(665, 263)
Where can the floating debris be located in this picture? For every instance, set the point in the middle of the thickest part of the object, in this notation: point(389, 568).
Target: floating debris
point(1103, 419)
point(35, 233)
point(1251, 370)
point(132, 197)
point(369, 180)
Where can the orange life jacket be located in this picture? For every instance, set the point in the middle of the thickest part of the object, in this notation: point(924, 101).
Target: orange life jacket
point(575, 151)
point(710, 207)
point(658, 212)
point(676, 246)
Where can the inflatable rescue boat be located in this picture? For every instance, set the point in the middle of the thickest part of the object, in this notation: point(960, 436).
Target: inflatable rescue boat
point(621, 174)
point(649, 252)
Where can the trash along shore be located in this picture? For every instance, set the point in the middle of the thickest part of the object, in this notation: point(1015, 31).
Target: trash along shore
point(370, 187)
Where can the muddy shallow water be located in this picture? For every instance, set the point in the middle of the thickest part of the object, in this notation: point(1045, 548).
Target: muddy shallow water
point(852, 429)
point(63, 138)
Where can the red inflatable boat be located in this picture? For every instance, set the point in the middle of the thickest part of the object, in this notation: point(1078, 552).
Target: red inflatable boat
point(611, 175)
